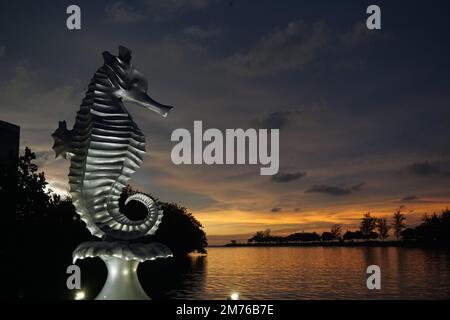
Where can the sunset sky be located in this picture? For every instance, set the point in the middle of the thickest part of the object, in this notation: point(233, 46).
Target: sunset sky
point(364, 116)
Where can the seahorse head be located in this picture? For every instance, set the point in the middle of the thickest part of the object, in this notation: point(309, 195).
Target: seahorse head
point(129, 84)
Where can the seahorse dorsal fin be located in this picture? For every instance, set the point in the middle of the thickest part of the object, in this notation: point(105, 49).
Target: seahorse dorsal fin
point(124, 54)
point(108, 57)
point(63, 140)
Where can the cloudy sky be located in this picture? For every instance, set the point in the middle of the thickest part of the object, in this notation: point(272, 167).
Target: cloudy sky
point(364, 116)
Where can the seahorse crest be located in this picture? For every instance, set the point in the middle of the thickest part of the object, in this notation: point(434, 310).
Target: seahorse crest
point(106, 146)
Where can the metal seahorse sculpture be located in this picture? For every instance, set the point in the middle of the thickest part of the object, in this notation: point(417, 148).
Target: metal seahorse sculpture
point(105, 147)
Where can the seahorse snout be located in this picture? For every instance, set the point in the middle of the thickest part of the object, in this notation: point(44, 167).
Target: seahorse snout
point(145, 101)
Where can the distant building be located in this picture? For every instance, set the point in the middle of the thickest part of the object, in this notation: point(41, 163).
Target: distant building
point(9, 155)
point(9, 145)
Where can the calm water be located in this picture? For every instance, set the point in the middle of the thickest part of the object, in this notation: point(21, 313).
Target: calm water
point(308, 273)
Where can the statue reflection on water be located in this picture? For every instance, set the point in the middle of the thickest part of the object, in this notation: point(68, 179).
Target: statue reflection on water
point(188, 277)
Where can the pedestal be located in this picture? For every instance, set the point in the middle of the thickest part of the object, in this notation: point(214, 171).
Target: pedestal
point(122, 282)
point(122, 260)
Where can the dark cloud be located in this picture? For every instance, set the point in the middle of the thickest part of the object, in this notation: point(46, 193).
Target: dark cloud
point(276, 209)
point(284, 177)
point(425, 168)
point(167, 9)
point(358, 36)
point(410, 198)
point(121, 12)
point(290, 47)
point(203, 32)
point(275, 120)
point(296, 45)
point(334, 190)
point(157, 10)
point(358, 187)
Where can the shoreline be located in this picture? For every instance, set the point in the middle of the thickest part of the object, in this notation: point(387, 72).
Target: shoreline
point(342, 244)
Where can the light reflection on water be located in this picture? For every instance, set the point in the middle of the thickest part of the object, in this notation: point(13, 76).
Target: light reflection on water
point(307, 273)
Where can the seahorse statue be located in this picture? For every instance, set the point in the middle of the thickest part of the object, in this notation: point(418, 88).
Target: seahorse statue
point(106, 146)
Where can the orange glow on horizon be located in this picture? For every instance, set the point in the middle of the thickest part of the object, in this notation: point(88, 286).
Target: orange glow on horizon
point(233, 222)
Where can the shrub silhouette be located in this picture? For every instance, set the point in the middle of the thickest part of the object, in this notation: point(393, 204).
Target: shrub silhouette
point(327, 236)
point(353, 235)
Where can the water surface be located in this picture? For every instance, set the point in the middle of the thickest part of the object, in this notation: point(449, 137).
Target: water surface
point(304, 273)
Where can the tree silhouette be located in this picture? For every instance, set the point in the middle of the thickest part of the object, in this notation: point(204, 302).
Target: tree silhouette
point(43, 229)
point(303, 237)
point(368, 224)
point(261, 236)
point(409, 235)
point(398, 224)
point(179, 229)
point(435, 229)
point(336, 231)
point(383, 228)
point(433, 232)
point(31, 194)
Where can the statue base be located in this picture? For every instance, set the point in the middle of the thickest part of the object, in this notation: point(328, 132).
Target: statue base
point(121, 260)
point(122, 282)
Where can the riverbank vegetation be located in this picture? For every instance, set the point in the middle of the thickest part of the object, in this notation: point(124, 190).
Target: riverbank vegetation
point(433, 231)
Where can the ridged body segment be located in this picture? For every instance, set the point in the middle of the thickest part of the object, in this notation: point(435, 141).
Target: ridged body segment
point(106, 147)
